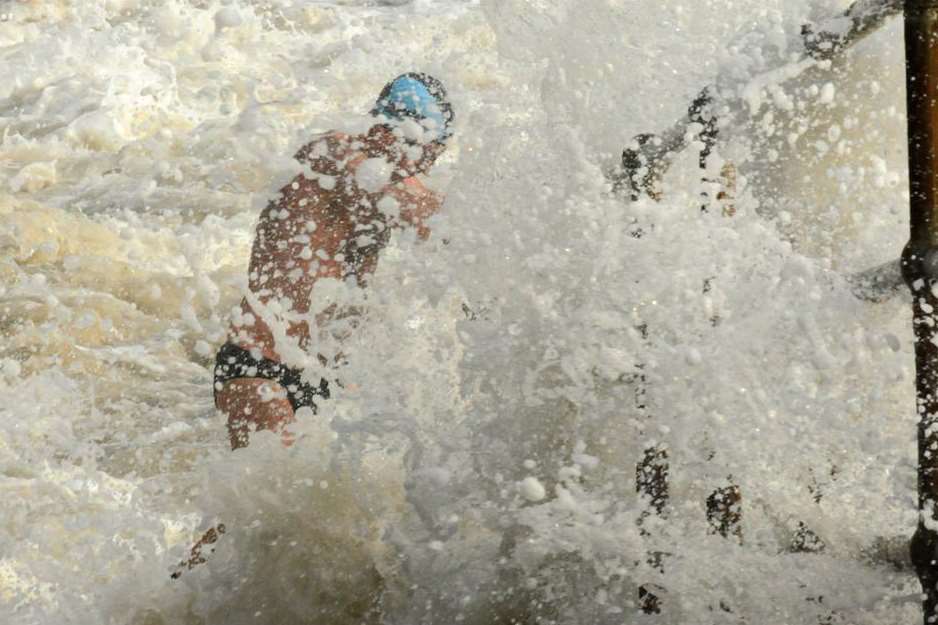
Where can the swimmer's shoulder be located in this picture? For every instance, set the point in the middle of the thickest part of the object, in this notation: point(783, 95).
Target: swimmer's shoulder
point(326, 152)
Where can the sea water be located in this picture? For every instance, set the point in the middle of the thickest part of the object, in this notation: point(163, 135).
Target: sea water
point(476, 462)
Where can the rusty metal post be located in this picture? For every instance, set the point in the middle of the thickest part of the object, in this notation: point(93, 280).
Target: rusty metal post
point(920, 272)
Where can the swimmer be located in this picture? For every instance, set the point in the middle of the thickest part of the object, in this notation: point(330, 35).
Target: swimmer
point(329, 222)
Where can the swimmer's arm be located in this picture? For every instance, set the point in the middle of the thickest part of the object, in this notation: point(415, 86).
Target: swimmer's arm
point(415, 212)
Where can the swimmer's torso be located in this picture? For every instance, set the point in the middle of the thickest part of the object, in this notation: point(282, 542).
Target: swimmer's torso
point(323, 225)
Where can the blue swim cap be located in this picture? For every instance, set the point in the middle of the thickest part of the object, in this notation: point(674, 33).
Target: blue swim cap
point(420, 97)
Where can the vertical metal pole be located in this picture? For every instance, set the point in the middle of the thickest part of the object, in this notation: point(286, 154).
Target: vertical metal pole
point(724, 511)
point(651, 482)
point(920, 271)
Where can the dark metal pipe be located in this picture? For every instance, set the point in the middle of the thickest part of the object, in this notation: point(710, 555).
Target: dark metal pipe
point(920, 271)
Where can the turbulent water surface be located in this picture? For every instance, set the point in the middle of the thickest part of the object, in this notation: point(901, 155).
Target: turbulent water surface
point(477, 462)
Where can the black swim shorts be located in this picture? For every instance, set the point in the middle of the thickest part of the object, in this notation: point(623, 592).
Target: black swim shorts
point(233, 361)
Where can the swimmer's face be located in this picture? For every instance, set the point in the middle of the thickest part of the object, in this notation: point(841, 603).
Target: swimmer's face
point(411, 147)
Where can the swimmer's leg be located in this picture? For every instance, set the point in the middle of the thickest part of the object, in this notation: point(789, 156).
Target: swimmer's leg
point(253, 404)
point(195, 554)
point(250, 404)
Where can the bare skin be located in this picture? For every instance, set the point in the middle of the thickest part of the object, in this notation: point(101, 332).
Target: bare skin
point(290, 256)
point(195, 554)
point(323, 225)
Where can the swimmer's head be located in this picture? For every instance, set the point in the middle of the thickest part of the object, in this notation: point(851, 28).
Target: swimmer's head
point(414, 121)
point(417, 105)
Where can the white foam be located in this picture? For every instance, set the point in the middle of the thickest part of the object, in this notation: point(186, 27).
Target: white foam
point(484, 434)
